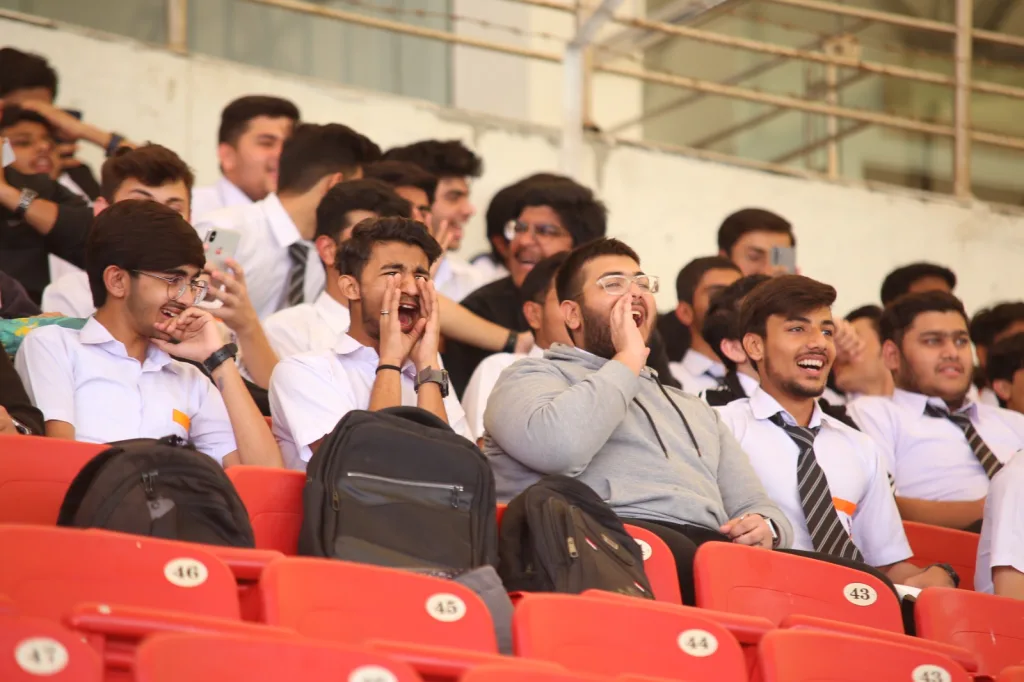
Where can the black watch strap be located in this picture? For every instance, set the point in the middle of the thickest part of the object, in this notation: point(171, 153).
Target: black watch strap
point(510, 344)
point(28, 195)
point(953, 575)
point(219, 357)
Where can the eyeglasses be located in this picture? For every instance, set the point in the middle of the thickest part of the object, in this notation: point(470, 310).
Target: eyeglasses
point(618, 285)
point(178, 285)
point(541, 230)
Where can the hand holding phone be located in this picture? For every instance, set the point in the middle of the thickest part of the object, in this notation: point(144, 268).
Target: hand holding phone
point(221, 244)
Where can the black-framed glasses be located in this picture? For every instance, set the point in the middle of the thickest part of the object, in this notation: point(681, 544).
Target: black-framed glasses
point(178, 285)
point(541, 230)
point(618, 285)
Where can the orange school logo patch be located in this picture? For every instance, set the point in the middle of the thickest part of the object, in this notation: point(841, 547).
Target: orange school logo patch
point(181, 418)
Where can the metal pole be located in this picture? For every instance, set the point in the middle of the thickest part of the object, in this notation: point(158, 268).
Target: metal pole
point(962, 100)
point(177, 25)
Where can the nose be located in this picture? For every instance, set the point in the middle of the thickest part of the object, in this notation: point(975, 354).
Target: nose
point(408, 284)
point(470, 210)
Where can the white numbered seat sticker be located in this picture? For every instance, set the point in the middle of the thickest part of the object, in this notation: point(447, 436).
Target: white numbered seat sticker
point(860, 594)
point(446, 608)
point(372, 673)
point(699, 643)
point(41, 656)
point(930, 673)
point(645, 548)
point(186, 572)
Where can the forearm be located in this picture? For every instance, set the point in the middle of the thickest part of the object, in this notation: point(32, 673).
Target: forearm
point(260, 358)
point(60, 430)
point(429, 398)
point(956, 515)
point(256, 444)
point(1008, 582)
point(41, 214)
point(101, 138)
point(387, 390)
point(458, 323)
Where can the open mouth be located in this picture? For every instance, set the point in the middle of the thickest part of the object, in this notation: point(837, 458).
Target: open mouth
point(639, 316)
point(408, 313)
point(42, 165)
point(170, 312)
point(813, 365)
point(951, 370)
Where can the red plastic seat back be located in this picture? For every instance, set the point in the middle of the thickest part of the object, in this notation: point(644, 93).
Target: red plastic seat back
point(35, 473)
point(991, 627)
point(757, 582)
point(620, 636)
point(273, 498)
point(33, 649)
point(1012, 674)
point(46, 572)
point(512, 673)
point(808, 656)
point(659, 565)
point(353, 603)
point(219, 658)
point(937, 545)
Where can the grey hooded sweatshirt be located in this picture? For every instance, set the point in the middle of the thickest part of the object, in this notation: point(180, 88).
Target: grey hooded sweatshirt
point(627, 437)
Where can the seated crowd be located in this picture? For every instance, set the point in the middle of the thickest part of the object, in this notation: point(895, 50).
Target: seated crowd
point(750, 413)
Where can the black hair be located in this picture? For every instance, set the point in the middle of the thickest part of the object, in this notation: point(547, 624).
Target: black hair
point(356, 252)
point(690, 276)
point(581, 214)
point(989, 323)
point(867, 312)
point(786, 295)
point(14, 114)
point(723, 319)
point(315, 151)
point(503, 204)
point(150, 164)
point(901, 313)
point(442, 159)
point(540, 279)
point(402, 174)
point(569, 280)
point(22, 70)
point(356, 195)
point(137, 234)
point(899, 281)
point(749, 220)
point(236, 116)
point(1005, 359)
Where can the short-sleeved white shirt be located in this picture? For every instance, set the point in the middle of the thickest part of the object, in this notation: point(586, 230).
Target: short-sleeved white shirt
point(928, 456)
point(70, 295)
point(485, 377)
point(86, 378)
point(221, 194)
point(697, 372)
point(310, 393)
point(307, 327)
point(456, 278)
point(852, 464)
point(1002, 533)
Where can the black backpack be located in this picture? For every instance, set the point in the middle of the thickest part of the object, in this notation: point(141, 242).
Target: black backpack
point(558, 535)
point(161, 488)
point(399, 488)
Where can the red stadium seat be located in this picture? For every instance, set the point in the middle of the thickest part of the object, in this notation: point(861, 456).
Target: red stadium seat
point(989, 626)
point(34, 649)
point(513, 673)
point(618, 636)
point(35, 473)
point(273, 498)
point(1012, 674)
point(441, 627)
point(659, 565)
point(219, 658)
point(803, 656)
point(937, 545)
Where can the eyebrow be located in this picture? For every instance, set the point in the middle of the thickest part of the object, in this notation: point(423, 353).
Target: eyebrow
point(267, 137)
point(394, 266)
point(456, 193)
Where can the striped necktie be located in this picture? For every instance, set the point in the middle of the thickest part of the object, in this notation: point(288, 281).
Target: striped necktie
point(299, 253)
point(988, 459)
point(827, 533)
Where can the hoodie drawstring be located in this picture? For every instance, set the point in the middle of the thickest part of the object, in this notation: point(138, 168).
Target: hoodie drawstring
point(657, 435)
point(693, 439)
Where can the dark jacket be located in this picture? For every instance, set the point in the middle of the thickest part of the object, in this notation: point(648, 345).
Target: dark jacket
point(14, 300)
point(14, 399)
point(676, 335)
point(500, 303)
point(24, 251)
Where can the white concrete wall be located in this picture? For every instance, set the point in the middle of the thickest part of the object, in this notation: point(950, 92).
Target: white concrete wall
point(667, 206)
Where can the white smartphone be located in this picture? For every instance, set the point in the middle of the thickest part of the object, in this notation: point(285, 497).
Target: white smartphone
point(8, 154)
point(221, 244)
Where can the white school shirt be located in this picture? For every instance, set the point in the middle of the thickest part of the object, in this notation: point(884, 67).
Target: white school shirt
point(456, 278)
point(929, 457)
point(483, 381)
point(855, 471)
point(308, 327)
point(310, 393)
point(697, 372)
point(86, 378)
point(487, 270)
point(221, 194)
point(267, 232)
point(70, 295)
point(1002, 532)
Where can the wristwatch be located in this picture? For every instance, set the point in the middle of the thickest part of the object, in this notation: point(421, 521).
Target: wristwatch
point(953, 575)
point(219, 357)
point(773, 529)
point(21, 428)
point(431, 375)
point(26, 199)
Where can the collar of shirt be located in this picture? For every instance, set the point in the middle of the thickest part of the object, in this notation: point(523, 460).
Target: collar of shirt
point(93, 333)
point(915, 402)
point(535, 352)
point(350, 348)
point(697, 364)
point(763, 406)
point(230, 195)
point(281, 225)
point(333, 313)
point(748, 383)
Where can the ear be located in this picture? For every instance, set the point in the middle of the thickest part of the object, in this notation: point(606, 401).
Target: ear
point(733, 349)
point(891, 355)
point(117, 282)
point(99, 206)
point(684, 311)
point(500, 245)
point(226, 156)
point(349, 288)
point(753, 346)
point(533, 312)
point(332, 180)
point(572, 314)
point(1003, 389)
point(327, 250)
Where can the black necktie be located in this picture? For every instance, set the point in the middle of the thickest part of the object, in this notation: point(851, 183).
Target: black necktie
point(827, 533)
point(297, 273)
point(988, 459)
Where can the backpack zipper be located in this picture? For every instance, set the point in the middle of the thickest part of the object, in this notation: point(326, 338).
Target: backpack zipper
point(454, 488)
point(147, 483)
point(572, 547)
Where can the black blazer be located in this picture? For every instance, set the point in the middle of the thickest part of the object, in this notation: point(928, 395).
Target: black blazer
point(15, 400)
